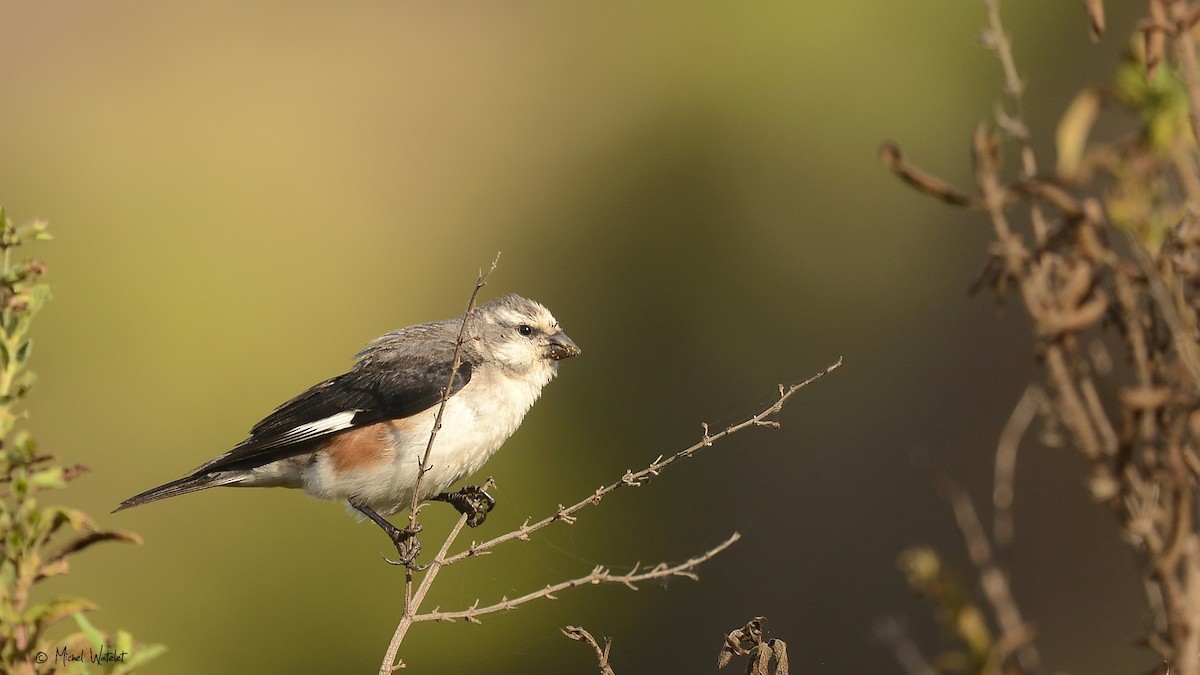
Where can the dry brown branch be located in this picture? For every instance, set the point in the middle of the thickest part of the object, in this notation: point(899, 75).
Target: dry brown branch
point(922, 179)
point(598, 575)
point(69, 473)
point(892, 633)
point(1015, 635)
point(414, 507)
point(1013, 122)
point(1155, 28)
point(1007, 448)
point(55, 562)
point(1183, 16)
point(580, 634)
point(1143, 445)
point(455, 365)
point(1095, 10)
point(1174, 310)
point(635, 479)
point(413, 600)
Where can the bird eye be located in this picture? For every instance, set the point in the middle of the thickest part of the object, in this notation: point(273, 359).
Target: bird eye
point(525, 329)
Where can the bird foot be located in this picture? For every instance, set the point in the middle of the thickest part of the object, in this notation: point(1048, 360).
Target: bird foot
point(472, 501)
point(408, 547)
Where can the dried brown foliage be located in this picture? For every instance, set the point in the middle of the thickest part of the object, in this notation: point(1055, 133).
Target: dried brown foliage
point(767, 657)
point(1107, 252)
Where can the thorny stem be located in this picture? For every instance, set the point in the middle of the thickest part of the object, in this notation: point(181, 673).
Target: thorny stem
point(598, 575)
point(455, 365)
point(413, 600)
point(565, 514)
point(423, 468)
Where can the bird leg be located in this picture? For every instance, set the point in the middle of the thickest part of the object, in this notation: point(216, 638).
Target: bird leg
point(472, 501)
point(407, 545)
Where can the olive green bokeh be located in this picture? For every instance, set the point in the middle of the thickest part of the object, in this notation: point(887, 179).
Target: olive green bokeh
point(244, 193)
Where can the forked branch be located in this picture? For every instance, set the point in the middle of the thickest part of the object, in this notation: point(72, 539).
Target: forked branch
point(414, 598)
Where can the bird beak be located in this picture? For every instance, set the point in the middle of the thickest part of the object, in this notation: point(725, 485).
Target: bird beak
point(561, 347)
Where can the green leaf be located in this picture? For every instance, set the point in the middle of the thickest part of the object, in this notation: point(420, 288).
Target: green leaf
point(90, 632)
point(124, 641)
point(56, 610)
point(11, 322)
point(25, 443)
point(48, 479)
point(23, 350)
point(36, 296)
point(26, 381)
point(55, 568)
point(58, 516)
point(140, 657)
point(20, 485)
point(8, 620)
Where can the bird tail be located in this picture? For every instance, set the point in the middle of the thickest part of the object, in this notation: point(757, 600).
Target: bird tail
point(193, 483)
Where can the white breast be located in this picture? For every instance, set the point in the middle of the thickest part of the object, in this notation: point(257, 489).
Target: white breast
point(476, 422)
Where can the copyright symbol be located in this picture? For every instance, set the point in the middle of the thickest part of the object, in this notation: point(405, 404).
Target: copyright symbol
point(41, 657)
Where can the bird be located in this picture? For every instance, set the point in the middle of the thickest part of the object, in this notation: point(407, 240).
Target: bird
point(360, 437)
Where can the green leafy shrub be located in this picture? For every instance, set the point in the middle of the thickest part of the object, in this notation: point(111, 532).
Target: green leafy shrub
point(38, 541)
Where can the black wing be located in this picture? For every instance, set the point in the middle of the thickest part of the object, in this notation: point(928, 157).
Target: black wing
point(390, 386)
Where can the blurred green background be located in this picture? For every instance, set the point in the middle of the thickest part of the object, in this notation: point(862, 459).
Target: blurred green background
point(244, 193)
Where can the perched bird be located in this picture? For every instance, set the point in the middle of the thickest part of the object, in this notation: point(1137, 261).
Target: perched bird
point(360, 436)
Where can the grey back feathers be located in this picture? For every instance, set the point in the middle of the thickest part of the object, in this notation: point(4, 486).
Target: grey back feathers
point(398, 375)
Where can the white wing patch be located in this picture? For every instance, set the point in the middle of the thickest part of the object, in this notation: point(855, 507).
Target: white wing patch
point(328, 425)
point(321, 427)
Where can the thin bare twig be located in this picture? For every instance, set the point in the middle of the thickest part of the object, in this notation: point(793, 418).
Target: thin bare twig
point(1095, 10)
point(1180, 320)
point(1022, 416)
point(923, 180)
point(413, 599)
point(598, 575)
point(423, 468)
point(455, 365)
point(1013, 122)
point(892, 633)
point(1185, 52)
point(69, 473)
point(635, 479)
point(54, 562)
point(1014, 633)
